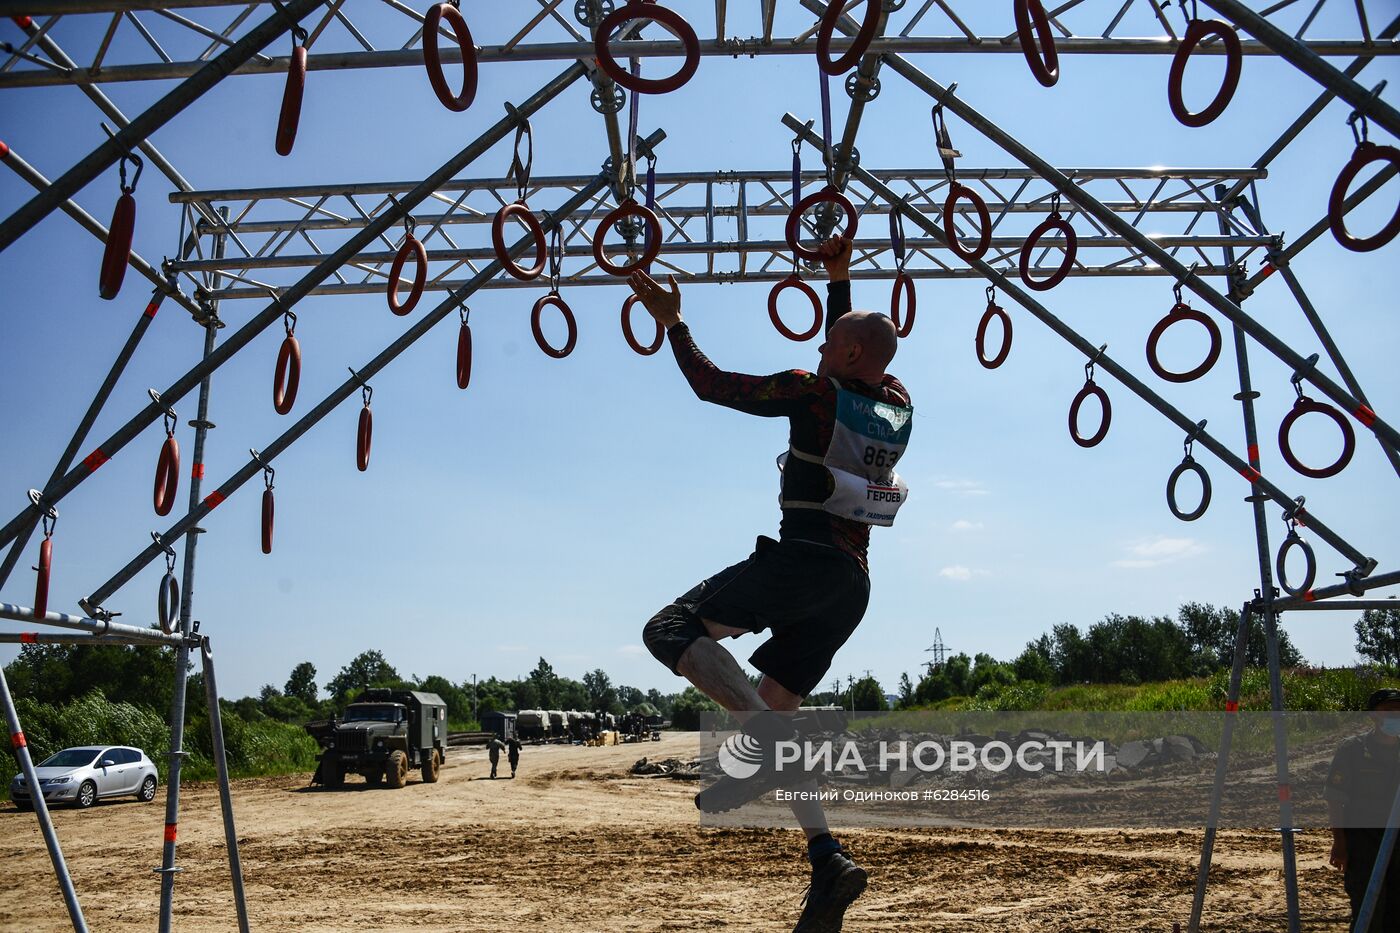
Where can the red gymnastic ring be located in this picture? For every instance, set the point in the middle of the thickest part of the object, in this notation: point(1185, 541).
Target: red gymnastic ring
point(167, 476)
point(827, 195)
point(629, 208)
point(287, 376)
point(413, 247)
point(269, 507)
point(793, 281)
point(521, 212)
point(364, 438)
point(118, 252)
point(290, 116)
point(1090, 388)
point(631, 338)
point(1365, 154)
point(995, 311)
point(1030, 13)
point(857, 49)
point(1182, 312)
point(1195, 32)
point(553, 299)
point(903, 284)
point(1300, 408)
point(1053, 222)
point(669, 19)
point(958, 192)
point(433, 60)
point(464, 356)
point(41, 584)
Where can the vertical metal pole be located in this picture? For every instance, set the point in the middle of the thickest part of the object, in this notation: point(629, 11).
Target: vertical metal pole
point(1246, 397)
point(216, 734)
point(201, 426)
point(41, 809)
point(1222, 765)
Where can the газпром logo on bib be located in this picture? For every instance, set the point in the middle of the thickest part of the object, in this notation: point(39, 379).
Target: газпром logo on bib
point(740, 756)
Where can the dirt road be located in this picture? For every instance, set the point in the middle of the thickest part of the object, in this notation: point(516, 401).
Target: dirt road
point(577, 844)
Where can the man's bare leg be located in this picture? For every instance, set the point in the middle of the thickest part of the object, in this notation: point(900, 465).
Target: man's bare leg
point(710, 667)
point(810, 815)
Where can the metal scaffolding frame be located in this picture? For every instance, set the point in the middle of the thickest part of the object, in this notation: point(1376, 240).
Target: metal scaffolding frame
point(241, 243)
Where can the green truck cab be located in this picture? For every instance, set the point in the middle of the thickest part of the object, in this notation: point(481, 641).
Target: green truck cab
point(381, 736)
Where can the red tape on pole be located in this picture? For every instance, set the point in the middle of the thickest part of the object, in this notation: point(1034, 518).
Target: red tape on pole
point(94, 460)
point(214, 500)
point(17, 740)
point(28, 638)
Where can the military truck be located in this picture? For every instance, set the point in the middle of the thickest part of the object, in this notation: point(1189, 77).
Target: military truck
point(381, 736)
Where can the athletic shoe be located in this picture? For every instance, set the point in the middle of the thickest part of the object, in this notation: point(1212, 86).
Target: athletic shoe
point(750, 770)
point(836, 883)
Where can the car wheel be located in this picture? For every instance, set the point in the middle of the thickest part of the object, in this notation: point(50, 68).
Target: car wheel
point(396, 769)
point(148, 789)
point(87, 795)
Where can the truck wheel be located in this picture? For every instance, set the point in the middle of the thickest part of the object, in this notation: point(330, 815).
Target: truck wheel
point(396, 769)
point(330, 771)
point(431, 765)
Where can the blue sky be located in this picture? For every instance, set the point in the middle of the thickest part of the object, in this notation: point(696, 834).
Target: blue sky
point(555, 505)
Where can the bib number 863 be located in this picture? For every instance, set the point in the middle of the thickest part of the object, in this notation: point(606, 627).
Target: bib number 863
point(879, 457)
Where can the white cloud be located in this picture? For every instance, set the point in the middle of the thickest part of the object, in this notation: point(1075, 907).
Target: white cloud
point(960, 573)
point(963, 524)
point(963, 487)
point(1154, 552)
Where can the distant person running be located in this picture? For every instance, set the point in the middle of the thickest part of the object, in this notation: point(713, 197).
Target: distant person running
point(493, 749)
point(848, 425)
point(513, 753)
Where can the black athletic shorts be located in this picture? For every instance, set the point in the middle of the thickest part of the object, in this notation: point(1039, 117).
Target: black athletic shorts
point(812, 597)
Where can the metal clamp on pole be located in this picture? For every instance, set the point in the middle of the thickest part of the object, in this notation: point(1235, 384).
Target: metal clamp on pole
point(1090, 389)
point(1188, 464)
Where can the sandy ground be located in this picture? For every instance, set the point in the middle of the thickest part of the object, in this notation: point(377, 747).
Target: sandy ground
point(577, 844)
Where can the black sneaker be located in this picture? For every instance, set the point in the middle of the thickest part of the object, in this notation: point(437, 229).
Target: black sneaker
point(836, 883)
point(749, 764)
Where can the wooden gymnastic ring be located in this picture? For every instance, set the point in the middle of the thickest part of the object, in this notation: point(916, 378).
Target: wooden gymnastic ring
point(287, 376)
point(167, 476)
point(432, 59)
point(1045, 63)
point(464, 356)
point(631, 338)
point(1182, 312)
point(41, 583)
point(553, 299)
point(118, 251)
point(628, 208)
point(864, 37)
point(827, 195)
point(411, 246)
point(521, 212)
point(1310, 562)
point(1303, 406)
point(1365, 154)
point(902, 284)
point(1197, 30)
point(958, 192)
point(168, 603)
point(1053, 222)
point(1189, 465)
point(669, 19)
point(290, 116)
point(364, 439)
point(794, 281)
point(1090, 388)
point(993, 311)
point(269, 510)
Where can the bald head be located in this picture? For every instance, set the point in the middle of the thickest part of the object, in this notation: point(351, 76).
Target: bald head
point(860, 346)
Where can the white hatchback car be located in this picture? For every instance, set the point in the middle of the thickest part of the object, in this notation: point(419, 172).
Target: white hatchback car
point(81, 775)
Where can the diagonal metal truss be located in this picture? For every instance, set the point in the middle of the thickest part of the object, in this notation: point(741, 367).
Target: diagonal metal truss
point(170, 44)
point(717, 227)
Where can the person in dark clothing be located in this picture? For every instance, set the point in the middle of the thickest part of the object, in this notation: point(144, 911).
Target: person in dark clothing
point(849, 423)
point(1361, 787)
point(513, 753)
point(493, 750)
